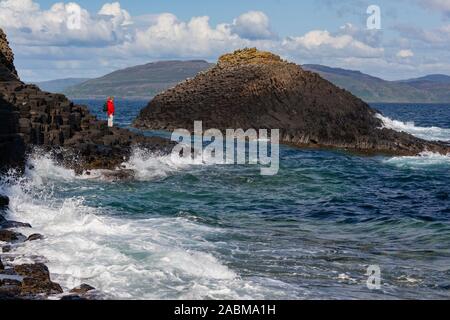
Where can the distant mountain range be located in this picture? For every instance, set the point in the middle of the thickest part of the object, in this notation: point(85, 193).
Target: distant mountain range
point(428, 89)
point(145, 81)
point(59, 85)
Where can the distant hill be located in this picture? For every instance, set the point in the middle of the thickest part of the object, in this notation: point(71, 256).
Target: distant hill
point(428, 89)
point(437, 78)
point(144, 81)
point(59, 85)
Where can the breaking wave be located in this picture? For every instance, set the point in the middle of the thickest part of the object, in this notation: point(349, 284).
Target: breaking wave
point(424, 159)
point(152, 258)
point(148, 165)
point(426, 133)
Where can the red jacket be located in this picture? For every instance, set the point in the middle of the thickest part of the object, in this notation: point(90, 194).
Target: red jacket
point(110, 107)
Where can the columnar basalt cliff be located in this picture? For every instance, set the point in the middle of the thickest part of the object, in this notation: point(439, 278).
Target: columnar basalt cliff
point(254, 89)
point(35, 118)
point(7, 69)
point(11, 143)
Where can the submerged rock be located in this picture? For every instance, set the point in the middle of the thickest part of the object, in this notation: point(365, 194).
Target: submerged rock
point(119, 175)
point(73, 297)
point(4, 202)
point(82, 289)
point(34, 237)
point(7, 224)
point(254, 89)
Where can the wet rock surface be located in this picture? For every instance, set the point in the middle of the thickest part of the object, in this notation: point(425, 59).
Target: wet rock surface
point(36, 280)
point(35, 236)
point(253, 89)
point(11, 236)
point(31, 280)
point(4, 201)
point(31, 118)
point(6, 249)
point(82, 289)
point(6, 224)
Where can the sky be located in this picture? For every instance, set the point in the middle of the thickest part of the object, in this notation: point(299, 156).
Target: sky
point(90, 38)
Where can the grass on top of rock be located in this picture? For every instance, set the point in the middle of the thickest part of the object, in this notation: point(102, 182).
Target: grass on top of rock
point(249, 56)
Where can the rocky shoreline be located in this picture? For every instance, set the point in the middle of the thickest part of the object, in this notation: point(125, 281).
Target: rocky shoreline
point(31, 280)
point(30, 119)
point(246, 89)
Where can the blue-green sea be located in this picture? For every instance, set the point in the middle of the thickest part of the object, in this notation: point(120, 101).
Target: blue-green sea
point(225, 232)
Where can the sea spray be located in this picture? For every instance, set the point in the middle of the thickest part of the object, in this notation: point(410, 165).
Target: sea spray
point(423, 160)
point(427, 133)
point(149, 165)
point(152, 258)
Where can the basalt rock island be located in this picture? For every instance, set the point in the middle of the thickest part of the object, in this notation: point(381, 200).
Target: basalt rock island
point(254, 89)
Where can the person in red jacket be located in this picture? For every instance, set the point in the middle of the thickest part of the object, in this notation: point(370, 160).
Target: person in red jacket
point(110, 111)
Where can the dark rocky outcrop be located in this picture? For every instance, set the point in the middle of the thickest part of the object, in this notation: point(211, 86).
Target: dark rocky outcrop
point(11, 236)
point(253, 89)
point(30, 117)
point(36, 280)
point(4, 202)
point(34, 237)
point(7, 69)
point(11, 143)
point(82, 289)
point(7, 224)
point(26, 281)
point(12, 146)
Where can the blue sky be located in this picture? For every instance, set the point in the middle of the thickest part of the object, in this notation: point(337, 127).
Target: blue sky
point(287, 16)
point(414, 39)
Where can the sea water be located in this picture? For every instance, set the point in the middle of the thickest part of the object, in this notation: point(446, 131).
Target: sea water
point(226, 232)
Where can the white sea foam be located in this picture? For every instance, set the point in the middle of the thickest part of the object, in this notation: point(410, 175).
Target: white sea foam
point(155, 258)
point(424, 159)
point(426, 133)
point(145, 165)
point(42, 167)
point(148, 165)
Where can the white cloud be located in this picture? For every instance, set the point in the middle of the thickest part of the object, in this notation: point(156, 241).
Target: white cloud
point(23, 5)
point(120, 17)
point(403, 54)
point(323, 43)
point(26, 23)
point(196, 38)
point(111, 38)
point(252, 25)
